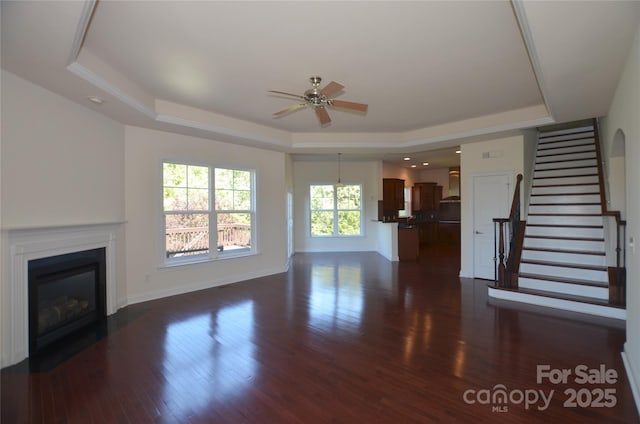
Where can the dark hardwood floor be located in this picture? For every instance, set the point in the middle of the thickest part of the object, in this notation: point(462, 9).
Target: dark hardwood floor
point(341, 338)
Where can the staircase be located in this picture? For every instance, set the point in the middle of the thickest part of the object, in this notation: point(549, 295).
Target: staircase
point(563, 261)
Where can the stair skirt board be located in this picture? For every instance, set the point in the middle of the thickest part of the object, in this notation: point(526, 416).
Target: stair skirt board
point(567, 305)
point(600, 293)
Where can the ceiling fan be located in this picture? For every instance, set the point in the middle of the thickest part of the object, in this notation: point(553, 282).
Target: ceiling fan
point(319, 99)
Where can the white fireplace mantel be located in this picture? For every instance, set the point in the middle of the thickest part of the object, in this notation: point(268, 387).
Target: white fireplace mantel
point(28, 244)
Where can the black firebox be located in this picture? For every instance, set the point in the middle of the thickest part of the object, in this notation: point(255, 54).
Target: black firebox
point(67, 293)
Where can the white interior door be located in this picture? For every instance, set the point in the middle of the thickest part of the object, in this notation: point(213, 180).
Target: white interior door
point(491, 199)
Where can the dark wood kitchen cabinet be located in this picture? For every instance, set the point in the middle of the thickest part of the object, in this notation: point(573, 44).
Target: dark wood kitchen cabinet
point(408, 243)
point(425, 196)
point(392, 194)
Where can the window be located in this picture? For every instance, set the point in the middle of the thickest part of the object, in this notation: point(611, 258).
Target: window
point(233, 207)
point(205, 207)
point(335, 210)
point(407, 204)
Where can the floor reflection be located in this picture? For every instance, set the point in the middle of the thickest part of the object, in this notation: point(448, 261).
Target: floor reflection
point(213, 350)
point(336, 297)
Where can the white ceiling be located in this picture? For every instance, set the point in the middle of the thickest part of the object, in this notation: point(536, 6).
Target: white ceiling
point(434, 73)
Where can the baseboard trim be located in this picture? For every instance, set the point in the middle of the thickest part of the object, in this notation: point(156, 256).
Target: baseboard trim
point(202, 285)
point(631, 376)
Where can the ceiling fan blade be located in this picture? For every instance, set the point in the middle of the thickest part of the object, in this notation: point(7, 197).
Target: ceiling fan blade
point(361, 107)
point(332, 89)
point(323, 115)
point(290, 109)
point(287, 94)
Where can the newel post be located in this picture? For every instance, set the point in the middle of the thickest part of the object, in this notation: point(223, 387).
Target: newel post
point(501, 265)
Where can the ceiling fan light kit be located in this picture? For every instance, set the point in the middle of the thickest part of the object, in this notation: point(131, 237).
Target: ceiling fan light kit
point(319, 99)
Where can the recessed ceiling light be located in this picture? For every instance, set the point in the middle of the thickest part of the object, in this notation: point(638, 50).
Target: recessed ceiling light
point(458, 151)
point(413, 166)
point(425, 163)
point(95, 99)
point(407, 158)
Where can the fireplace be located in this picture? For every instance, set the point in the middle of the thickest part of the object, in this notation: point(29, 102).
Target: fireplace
point(27, 246)
point(67, 293)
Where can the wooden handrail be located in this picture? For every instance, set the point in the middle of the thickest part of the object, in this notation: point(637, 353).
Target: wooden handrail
point(515, 203)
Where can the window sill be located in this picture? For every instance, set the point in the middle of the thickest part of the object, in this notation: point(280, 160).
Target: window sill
point(207, 260)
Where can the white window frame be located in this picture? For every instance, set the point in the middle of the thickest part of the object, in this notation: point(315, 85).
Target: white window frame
point(336, 211)
point(213, 254)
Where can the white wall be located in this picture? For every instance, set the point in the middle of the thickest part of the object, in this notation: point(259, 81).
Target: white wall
point(623, 115)
point(530, 147)
point(392, 171)
point(507, 155)
point(145, 149)
point(61, 164)
point(306, 173)
point(440, 176)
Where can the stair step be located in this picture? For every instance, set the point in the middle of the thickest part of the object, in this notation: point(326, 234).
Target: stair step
point(566, 156)
point(566, 251)
point(578, 169)
point(566, 142)
point(547, 136)
point(565, 219)
point(562, 173)
point(578, 244)
point(579, 232)
point(567, 265)
point(561, 151)
point(564, 164)
point(594, 292)
point(564, 280)
point(574, 208)
point(581, 304)
point(565, 189)
point(583, 299)
point(550, 138)
point(565, 198)
point(555, 256)
point(595, 239)
point(565, 270)
point(564, 181)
